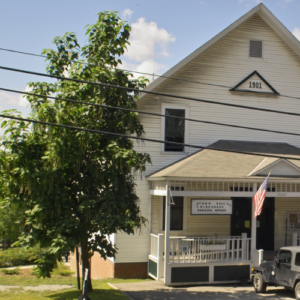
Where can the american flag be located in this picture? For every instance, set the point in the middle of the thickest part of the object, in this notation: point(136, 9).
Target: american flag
point(260, 197)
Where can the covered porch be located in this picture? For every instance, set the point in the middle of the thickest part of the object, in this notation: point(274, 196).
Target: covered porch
point(219, 240)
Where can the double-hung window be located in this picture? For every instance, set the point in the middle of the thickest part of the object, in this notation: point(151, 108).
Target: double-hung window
point(174, 129)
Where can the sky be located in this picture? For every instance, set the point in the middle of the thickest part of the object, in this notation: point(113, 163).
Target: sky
point(163, 32)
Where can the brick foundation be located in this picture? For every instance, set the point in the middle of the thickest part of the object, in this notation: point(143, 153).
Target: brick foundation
point(101, 268)
point(131, 270)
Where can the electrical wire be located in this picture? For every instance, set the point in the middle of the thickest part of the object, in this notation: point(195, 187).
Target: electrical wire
point(144, 139)
point(131, 71)
point(151, 92)
point(145, 73)
point(149, 113)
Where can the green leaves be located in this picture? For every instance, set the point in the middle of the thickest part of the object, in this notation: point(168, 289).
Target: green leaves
point(76, 187)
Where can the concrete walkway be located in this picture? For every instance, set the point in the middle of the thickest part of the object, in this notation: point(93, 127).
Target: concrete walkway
point(156, 290)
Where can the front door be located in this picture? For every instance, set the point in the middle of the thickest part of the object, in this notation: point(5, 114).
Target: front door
point(241, 216)
point(265, 226)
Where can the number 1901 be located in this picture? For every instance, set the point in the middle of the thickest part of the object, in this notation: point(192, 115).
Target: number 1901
point(253, 85)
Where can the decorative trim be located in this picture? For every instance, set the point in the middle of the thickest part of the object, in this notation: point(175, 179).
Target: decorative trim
point(235, 88)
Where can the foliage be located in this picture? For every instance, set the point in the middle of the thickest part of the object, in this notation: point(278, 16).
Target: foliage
point(11, 221)
point(11, 271)
point(62, 269)
point(74, 186)
point(20, 256)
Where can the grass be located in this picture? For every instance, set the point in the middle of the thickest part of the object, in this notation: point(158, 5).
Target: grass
point(25, 279)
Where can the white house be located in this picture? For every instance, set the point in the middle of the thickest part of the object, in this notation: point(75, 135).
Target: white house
point(211, 234)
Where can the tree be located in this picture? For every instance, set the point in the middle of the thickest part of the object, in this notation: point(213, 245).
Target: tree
point(77, 187)
point(11, 223)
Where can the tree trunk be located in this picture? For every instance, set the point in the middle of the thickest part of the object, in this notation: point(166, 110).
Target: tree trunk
point(86, 265)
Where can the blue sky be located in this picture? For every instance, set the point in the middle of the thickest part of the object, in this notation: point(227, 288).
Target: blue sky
point(163, 32)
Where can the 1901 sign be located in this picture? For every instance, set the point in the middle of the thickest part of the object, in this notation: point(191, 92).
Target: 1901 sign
point(254, 85)
point(211, 207)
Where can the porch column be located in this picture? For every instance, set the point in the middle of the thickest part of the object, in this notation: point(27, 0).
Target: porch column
point(253, 221)
point(167, 271)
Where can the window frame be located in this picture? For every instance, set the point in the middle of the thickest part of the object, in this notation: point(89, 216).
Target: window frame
point(285, 251)
point(165, 106)
point(184, 217)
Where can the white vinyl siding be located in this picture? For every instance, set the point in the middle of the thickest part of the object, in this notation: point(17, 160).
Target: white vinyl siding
point(227, 62)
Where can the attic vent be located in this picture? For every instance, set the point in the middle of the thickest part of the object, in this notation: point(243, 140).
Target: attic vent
point(256, 49)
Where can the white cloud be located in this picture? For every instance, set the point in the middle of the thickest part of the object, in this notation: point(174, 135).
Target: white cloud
point(296, 33)
point(147, 66)
point(147, 41)
point(126, 13)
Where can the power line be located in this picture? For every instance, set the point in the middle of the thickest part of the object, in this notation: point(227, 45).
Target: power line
point(144, 139)
point(145, 73)
point(149, 113)
point(150, 92)
point(105, 67)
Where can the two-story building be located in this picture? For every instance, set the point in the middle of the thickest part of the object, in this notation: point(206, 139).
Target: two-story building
point(206, 196)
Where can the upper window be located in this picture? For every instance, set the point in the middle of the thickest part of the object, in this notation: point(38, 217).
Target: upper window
point(255, 49)
point(174, 129)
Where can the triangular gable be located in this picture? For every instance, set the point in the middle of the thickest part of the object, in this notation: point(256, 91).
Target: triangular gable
point(255, 83)
point(267, 16)
point(279, 168)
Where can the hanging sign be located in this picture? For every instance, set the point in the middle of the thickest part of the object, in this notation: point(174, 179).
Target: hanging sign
point(211, 207)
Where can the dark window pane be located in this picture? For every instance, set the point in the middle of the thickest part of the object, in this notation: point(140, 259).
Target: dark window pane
point(297, 259)
point(176, 222)
point(285, 256)
point(174, 129)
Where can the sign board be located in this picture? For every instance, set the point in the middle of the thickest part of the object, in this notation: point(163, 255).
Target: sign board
point(211, 207)
point(184, 245)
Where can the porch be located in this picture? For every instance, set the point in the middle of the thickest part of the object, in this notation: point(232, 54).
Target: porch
point(200, 260)
point(202, 212)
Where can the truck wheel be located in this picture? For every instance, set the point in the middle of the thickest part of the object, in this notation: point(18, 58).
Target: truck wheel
point(259, 283)
point(297, 291)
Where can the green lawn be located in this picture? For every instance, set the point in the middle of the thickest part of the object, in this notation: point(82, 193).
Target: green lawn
point(18, 283)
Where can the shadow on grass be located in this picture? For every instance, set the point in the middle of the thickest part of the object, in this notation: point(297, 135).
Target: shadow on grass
point(97, 294)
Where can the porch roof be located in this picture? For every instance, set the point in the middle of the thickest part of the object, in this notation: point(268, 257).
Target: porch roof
point(220, 164)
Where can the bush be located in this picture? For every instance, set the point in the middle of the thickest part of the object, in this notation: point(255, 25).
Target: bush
point(62, 270)
point(11, 271)
point(20, 256)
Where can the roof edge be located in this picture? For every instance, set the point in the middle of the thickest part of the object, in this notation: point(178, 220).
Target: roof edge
point(263, 11)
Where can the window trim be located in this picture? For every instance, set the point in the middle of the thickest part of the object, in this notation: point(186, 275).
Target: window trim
point(184, 219)
point(262, 49)
point(165, 106)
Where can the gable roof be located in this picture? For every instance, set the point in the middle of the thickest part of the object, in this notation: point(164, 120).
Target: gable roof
point(260, 9)
point(218, 164)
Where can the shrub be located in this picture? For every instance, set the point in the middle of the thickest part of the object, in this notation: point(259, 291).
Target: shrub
point(20, 256)
point(11, 271)
point(62, 270)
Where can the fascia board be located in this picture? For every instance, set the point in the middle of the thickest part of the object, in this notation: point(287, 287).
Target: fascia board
point(215, 179)
point(261, 9)
point(197, 52)
point(275, 163)
point(280, 29)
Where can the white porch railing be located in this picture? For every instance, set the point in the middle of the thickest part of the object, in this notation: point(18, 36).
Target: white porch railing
point(201, 249)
